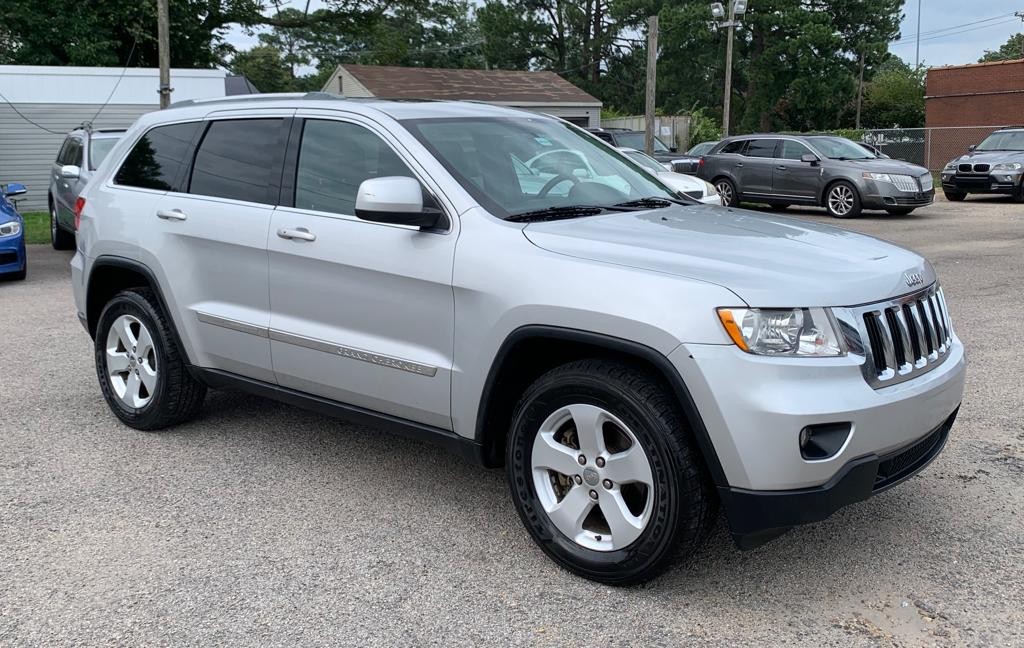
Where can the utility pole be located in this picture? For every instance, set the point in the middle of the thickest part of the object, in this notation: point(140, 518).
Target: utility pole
point(860, 86)
point(164, 51)
point(1020, 14)
point(736, 8)
point(652, 74)
point(917, 56)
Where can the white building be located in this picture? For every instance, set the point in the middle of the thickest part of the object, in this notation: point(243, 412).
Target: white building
point(58, 99)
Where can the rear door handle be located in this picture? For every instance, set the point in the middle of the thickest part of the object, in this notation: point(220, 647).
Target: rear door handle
point(171, 214)
point(739, 164)
point(780, 168)
point(299, 233)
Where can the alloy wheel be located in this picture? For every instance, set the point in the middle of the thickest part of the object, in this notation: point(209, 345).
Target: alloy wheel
point(725, 191)
point(840, 200)
point(131, 361)
point(592, 477)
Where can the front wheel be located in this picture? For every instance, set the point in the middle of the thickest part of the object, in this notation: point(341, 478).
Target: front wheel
point(604, 473)
point(727, 190)
point(842, 200)
point(142, 372)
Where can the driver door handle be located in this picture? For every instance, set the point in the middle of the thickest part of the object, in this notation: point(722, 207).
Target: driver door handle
point(297, 234)
point(781, 168)
point(739, 164)
point(171, 214)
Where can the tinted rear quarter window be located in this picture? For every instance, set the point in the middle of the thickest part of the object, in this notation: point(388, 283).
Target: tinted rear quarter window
point(158, 159)
point(235, 160)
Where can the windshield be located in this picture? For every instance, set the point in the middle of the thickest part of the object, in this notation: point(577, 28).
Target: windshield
point(1005, 141)
point(636, 141)
point(517, 165)
point(701, 148)
point(840, 147)
point(98, 150)
point(646, 161)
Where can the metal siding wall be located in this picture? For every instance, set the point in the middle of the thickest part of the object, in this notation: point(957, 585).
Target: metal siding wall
point(26, 152)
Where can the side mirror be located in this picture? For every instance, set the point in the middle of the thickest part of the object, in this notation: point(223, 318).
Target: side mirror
point(14, 189)
point(972, 147)
point(397, 200)
point(70, 172)
point(673, 149)
point(809, 158)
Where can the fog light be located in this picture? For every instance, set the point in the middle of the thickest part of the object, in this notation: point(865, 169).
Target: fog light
point(1007, 178)
point(824, 440)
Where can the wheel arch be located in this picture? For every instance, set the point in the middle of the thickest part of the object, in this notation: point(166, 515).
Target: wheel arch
point(110, 275)
point(530, 351)
point(833, 182)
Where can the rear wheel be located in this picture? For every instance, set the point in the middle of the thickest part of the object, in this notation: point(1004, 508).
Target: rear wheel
point(604, 473)
point(142, 372)
point(727, 190)
point(954, 196)
point(59, 238)
point(899, 211)
point(842, 200)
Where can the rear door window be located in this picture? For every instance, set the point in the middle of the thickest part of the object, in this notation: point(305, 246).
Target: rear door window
point(792, 150)
point(160, 158)
point(235, 160)
point(761, 148)
point(734, 147)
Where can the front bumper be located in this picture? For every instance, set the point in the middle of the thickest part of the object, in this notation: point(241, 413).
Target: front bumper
point(884, 195)
point(12, 254)
point(990, 183)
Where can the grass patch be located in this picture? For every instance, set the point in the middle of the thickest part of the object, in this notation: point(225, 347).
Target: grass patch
point(37, 227)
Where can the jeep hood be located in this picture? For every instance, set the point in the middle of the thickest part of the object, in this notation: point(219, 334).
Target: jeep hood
point(766, 260)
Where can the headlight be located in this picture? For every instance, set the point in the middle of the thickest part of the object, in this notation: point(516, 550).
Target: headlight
point(879, 177)
point(807, 332)
point(709, 189)
point(950, 167)
point(1008, 166)
point(10, 229)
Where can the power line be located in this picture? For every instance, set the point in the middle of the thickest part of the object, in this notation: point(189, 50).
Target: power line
point(952, 33)
point(116, 83)
point(19, 114)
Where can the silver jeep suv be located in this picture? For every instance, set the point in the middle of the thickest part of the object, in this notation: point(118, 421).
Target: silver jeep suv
point(442, 270)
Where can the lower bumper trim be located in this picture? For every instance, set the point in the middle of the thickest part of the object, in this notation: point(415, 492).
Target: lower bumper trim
point(756, 517)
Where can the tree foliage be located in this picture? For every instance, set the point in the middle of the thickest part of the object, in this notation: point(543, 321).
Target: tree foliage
point(1011, 49)
point(895, 97)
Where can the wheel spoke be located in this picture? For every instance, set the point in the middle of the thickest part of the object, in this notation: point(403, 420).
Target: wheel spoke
point(629, 466)
point(588, 420)
point(144, 342)
point(625, 526)
point(148, 377)
point(568, 515)
point(552, 455)
point(117, 362)
point(131, 394)
point(124, 332)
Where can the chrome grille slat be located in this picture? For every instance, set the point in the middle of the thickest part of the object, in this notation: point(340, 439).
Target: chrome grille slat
point(904, 182)
point(902, 338)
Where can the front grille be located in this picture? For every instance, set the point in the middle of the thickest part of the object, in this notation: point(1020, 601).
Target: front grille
point(982, 168)
point(914, 201)
point(904, 182)
point(974, 168)
point(696, 195)
point(965, 168)
point(901, 339)
point(907, 461)
point(8, 257)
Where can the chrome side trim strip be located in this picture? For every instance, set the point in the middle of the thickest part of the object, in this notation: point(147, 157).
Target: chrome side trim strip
point(318, 345)
point(234, 325)
point(353, 353)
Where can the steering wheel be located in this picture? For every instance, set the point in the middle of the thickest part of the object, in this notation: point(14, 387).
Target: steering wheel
point(554, 182)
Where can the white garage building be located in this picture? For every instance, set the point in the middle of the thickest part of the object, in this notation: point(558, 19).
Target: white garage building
point(40, 104)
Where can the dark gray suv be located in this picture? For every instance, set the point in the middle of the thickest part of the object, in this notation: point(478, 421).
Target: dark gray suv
point(995, 166)
point(822, 170)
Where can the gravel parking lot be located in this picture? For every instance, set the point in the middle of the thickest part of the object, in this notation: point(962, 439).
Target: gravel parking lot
point(261, 524)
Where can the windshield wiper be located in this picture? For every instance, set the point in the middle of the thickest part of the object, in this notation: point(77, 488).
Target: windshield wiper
point(556, 213)
point(651, 202)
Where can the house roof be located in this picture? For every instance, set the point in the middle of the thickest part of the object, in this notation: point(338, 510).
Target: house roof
point(496, 86)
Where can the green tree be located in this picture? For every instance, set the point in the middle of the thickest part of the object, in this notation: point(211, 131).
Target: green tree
point(1011, 49)
point(265, 67)
point(895, 97)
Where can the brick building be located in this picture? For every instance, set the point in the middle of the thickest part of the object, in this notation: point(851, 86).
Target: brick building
point(964, 103)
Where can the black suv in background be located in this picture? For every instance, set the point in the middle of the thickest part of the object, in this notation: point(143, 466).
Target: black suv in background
point(996, 166)
point(822, 170)
point(625, 138)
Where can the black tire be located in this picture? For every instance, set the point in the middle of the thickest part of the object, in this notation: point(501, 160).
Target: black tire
point(60, 239)
point(177, 396)
point(853, 208)
point(954, 196)
point(683, 500)
point(727, 190)
point(1018, 194)
point(779, 206)
point(899, 211)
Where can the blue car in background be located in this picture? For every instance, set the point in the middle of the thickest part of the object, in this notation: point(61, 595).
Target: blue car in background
point(13, 263)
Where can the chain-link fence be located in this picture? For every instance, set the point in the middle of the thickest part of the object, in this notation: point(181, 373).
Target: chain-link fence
point(932, 148)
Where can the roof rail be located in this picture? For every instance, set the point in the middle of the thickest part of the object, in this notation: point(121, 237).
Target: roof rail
point(270, 96)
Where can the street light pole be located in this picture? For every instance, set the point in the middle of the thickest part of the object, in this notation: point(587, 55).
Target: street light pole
point(917, 56)
point(736, 8)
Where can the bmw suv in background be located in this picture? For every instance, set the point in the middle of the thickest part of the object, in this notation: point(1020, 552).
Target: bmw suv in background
point(995, 166)
point(80, 155)
point(821, 170)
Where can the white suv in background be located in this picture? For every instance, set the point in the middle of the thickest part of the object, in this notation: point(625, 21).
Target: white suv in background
point(632, 358)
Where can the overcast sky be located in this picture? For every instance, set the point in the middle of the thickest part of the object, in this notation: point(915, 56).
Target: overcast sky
point(952, 31)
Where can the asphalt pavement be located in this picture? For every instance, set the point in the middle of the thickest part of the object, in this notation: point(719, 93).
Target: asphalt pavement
point(265, 525)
